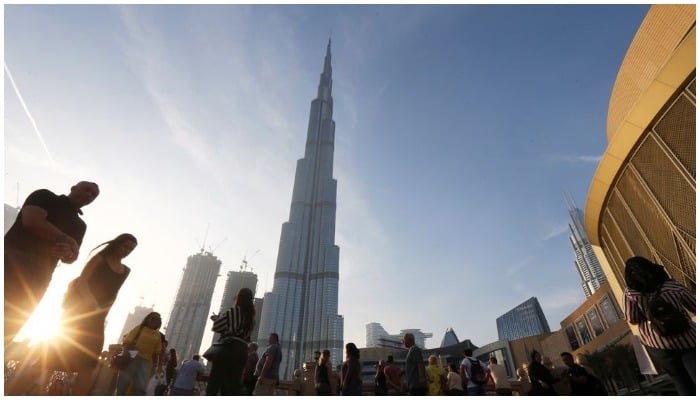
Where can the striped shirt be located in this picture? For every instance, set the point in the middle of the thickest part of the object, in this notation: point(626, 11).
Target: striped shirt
point(675, 294)
point(230, 324)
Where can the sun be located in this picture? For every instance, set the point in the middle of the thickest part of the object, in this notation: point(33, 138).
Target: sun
point(45, 322)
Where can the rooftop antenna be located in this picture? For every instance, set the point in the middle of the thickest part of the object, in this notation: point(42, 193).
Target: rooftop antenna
point(244, 263)
point(569, 200)
point(217, 246)
point(206, 232)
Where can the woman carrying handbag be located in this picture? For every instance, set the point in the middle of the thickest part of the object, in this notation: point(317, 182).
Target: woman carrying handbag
point(234, 325)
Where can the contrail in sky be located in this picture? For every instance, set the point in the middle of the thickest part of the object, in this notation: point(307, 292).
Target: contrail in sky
point(29, 115)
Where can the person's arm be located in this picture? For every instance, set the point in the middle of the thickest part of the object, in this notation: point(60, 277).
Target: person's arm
point(633, 313)
point(221, 322)
point(34, 220)
point(687, 299)
point(390, 380)
point(463, 373)
point(268, 364)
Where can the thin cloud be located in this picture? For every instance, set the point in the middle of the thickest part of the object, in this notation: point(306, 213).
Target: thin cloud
point(29, 115)
point(555, 231)
point(576, 159)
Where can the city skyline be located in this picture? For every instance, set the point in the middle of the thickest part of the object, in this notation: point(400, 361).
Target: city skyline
point(459, 128)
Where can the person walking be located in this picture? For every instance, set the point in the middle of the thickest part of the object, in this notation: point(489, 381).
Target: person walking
point(649, 288)
point(540, 376)
point(415, 369)
point(48, 228)
point(268, 368)
point(234, 326)
point(187, 376)
point(87, 302)
point(146, 343)
point(454, 382)
point(435, 376)
point(393, 373)
point(350, 378)
point(474, 372)
point(171, 367)
point(380, 387)
point(322, 374)
point(499, 376)
point(249, 377)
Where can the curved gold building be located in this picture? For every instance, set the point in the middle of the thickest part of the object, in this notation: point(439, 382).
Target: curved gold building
point(642, 198)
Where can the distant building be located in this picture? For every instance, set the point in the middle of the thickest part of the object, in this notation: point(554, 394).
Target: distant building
point(587, 265)
point(449, 339)
point(10, 216)
point(258, 303)
point(377, 336)
point(235, 281)
point(527, 319)
point(374, 331)
point(134, 319)
point(190, 312)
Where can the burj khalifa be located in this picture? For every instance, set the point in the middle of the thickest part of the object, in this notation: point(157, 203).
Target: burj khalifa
point(303, 305)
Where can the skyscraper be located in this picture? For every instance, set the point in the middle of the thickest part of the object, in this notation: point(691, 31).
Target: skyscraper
point(587, 265)
point(133, 319)
point(189, 315)
point(527, 319)
point(303, 305)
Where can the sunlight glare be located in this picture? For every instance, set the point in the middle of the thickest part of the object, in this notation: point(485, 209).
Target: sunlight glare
point(45, 322)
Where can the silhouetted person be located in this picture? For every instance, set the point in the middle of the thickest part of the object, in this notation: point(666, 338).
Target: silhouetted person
point(48, 228)
point(648, 282)
point(87, 302)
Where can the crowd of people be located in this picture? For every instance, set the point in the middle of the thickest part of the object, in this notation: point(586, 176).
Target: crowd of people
point(49, 228)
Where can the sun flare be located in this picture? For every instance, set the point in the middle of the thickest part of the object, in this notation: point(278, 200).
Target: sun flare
point(45, 322)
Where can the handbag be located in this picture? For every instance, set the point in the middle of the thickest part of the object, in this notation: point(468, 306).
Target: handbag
point(213, 351)
point(123, 359)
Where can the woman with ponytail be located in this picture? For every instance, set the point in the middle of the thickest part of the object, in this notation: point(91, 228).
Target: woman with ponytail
point(85, 307)
point(234, 326)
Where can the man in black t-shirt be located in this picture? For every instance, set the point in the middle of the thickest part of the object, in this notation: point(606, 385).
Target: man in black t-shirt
point(48, 228)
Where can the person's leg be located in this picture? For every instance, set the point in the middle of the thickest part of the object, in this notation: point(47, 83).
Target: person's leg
point(235, 364)
point(23, 291)
point(124, 379)
point(215, 378)
point(672, 362)
point(140, 377)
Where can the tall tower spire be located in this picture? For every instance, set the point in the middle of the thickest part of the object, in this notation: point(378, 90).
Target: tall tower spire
point(587, 264)
point(303, 305)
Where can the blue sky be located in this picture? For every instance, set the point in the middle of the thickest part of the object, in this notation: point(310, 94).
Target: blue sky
point(458, 130)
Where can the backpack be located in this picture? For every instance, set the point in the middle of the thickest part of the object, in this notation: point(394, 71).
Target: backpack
point(664, 318)
point(476, 372)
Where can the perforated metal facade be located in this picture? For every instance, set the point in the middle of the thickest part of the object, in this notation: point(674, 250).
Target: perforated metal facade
point(642, 197)
point(650, 210)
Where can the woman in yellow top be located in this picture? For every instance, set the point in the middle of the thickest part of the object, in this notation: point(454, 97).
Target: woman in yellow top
point(147, 344)
point(435, 375)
